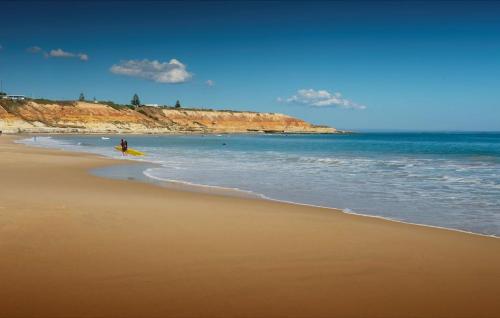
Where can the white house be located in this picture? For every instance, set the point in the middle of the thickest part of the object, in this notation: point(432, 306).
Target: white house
point(14, 97)
point(152, 105)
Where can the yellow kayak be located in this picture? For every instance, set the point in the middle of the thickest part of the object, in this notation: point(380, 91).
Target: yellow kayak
point(130, 151)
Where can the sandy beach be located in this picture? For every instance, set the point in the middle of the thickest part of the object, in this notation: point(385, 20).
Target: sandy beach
point(77, 245)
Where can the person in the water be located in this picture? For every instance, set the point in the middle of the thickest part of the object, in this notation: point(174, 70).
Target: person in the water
point(124, 145)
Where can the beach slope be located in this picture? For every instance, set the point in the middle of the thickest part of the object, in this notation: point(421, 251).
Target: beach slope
point(76, 245)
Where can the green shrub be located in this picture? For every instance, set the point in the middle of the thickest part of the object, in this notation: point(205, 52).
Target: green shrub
point(116, 106)
point(45, 101)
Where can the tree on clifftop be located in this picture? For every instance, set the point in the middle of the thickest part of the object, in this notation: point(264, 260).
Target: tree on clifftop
point(81, 98)
point(177, 104)
point(135, 100)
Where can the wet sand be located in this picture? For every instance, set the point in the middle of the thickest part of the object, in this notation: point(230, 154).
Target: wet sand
point(77, 245)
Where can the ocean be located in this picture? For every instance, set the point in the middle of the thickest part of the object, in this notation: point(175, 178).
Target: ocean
point(449, 180)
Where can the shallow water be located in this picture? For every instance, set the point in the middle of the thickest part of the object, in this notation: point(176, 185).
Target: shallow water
point(442, 179)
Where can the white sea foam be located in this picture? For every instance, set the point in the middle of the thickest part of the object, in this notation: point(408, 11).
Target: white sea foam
point(148, 173)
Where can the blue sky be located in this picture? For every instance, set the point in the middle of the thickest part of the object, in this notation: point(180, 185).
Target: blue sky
point(362, 65)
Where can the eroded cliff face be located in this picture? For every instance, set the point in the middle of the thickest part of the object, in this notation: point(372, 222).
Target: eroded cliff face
point(82, 117)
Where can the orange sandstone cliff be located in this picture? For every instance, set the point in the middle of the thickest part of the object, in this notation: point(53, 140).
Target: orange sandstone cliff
point(83, 117)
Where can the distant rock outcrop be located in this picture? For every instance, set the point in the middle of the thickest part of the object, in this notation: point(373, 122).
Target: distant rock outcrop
point(43, 116)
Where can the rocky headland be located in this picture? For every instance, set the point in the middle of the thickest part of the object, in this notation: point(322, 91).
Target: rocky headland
point(44, 116)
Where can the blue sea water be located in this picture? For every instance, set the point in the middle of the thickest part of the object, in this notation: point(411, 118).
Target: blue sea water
point(449, 180)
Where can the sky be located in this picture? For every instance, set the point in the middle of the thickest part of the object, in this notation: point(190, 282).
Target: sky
point(353, 65)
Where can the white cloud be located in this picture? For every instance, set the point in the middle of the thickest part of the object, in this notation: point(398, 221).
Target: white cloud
point(58, 53)
point(210, 83)
point(62, 53)
point(320, 98)
point(162, 72)
point(34, 49)
point(84, 57)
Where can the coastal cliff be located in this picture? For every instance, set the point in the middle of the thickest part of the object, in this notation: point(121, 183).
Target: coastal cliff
point(42, 116)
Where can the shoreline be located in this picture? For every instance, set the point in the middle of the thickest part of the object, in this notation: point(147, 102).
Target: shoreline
point(236, 192)
point(231, 192)
point(74, 244)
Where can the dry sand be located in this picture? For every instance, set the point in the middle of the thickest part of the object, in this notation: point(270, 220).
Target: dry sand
point(76, 245)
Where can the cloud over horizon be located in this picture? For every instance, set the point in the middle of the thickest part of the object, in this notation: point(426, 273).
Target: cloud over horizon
point(320, 98)
point(172, 72)
point(58, 53)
